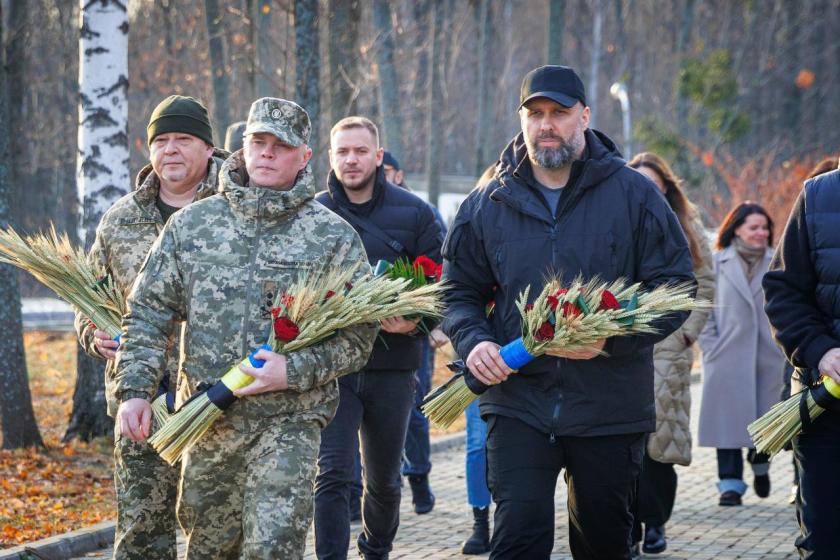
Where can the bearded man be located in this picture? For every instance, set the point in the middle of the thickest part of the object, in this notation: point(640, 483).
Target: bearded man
point(562, 202)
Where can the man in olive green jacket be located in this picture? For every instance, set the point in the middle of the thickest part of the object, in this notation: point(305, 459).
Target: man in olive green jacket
point(247, 484)
point(184, 167)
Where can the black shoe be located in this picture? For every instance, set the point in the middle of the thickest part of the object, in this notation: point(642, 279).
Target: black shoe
point(654, 539)
point(635, 551)
point(479, 541)
point(761, 485)
point(421, 492)
point(730, 498)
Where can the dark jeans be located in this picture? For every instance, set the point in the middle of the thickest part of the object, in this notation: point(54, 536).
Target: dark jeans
point(373, 408)
point(417, 459)
point(523, 464)
point(731, 468)
point(655, 497)
point(817, 454)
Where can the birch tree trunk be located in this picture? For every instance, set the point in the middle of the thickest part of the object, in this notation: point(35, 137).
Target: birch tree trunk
point(16, 414)
point(102, 171)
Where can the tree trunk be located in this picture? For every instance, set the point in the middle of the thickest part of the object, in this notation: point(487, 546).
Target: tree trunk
point(344, 57)
point(556, 23)
point(16, 414)
point(595, 67)
point(265, 65)
point(435, 102)
point(389, 85)
point(15, 46)
point(102, 170)
point(683, 40)
point(417, 110)
point(484, 105)
point(221, 99)
point(307, 69)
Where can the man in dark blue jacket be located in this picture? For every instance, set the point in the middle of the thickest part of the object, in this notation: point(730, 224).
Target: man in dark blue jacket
point(562, 201)
point(802, 291)
point(375, 402)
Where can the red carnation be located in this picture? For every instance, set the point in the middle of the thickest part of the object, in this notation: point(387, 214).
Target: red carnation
point(608, 301)
point(438, 272)
point(275, 312)
point(561, 292)
point(285, 330)
point(545, 332)
point(428, 265)
point(571, 310)
point(330, 294)
point(553, 302)
point(529, 307)
point(348, 286)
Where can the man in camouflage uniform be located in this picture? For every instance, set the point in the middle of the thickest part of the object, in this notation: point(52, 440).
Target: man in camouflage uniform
point(247, 484)
point(184, 167)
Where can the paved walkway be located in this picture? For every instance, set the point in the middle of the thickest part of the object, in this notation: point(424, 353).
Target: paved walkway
point(699, 528)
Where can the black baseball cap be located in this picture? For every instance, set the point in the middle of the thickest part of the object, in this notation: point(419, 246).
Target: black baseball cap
point(558, 83)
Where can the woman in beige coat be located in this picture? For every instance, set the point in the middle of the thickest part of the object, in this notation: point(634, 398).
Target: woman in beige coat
point(670, 444)
point(741, 362)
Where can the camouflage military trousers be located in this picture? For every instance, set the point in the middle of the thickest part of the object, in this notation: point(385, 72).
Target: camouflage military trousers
point(147, 488)
point(247, 493)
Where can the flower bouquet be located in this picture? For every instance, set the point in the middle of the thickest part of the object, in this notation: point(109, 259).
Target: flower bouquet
point(573, 318)
point(64, 269)
point(772, 432)
point(318, 304)
point(422, 272)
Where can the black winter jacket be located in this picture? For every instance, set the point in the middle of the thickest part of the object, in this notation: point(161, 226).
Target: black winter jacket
point(611, 222)
point(408, 220)
point(802, 288)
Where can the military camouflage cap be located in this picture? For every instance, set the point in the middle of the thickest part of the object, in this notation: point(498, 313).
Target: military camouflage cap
point(286, 120)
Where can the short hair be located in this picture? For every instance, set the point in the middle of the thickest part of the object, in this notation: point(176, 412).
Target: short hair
point(356, 122)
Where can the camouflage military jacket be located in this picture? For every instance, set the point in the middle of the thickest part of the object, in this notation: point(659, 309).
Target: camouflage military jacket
point(218, 265)
point(124, 236)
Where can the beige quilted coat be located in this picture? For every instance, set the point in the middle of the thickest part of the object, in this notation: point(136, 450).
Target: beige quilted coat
point(672, 359)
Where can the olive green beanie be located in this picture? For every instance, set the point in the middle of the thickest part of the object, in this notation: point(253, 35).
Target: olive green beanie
point(178, 113)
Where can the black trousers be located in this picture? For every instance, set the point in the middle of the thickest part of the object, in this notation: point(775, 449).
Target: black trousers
point(817, 454)
point(523, 465)
point(655, 497)
point(373, 408)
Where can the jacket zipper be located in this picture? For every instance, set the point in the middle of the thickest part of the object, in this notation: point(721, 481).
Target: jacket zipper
point(251, 266)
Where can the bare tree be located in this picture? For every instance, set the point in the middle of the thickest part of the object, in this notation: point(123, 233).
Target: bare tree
point(221, 99)
point(389, 85)
point(595, 61)
point(344, 17)
point(103, 173)
point(16, 414)
point(307, 67)
point(264, 67)
point(435, 101)
point(556, 23)
point(484, 104)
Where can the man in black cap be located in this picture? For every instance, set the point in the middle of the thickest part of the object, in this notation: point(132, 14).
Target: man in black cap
point(184, 167)
point(563, 202)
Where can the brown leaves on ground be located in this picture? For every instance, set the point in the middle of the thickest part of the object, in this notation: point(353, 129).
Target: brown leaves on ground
point(66, 486)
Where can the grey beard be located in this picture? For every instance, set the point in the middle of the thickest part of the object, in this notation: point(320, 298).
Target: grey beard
point(553, 158)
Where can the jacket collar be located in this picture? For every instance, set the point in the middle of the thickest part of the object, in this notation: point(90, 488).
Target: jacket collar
point(734, 270)
point(250, 202)
point(147, 184)
point(515, 176)
point(336, 192)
